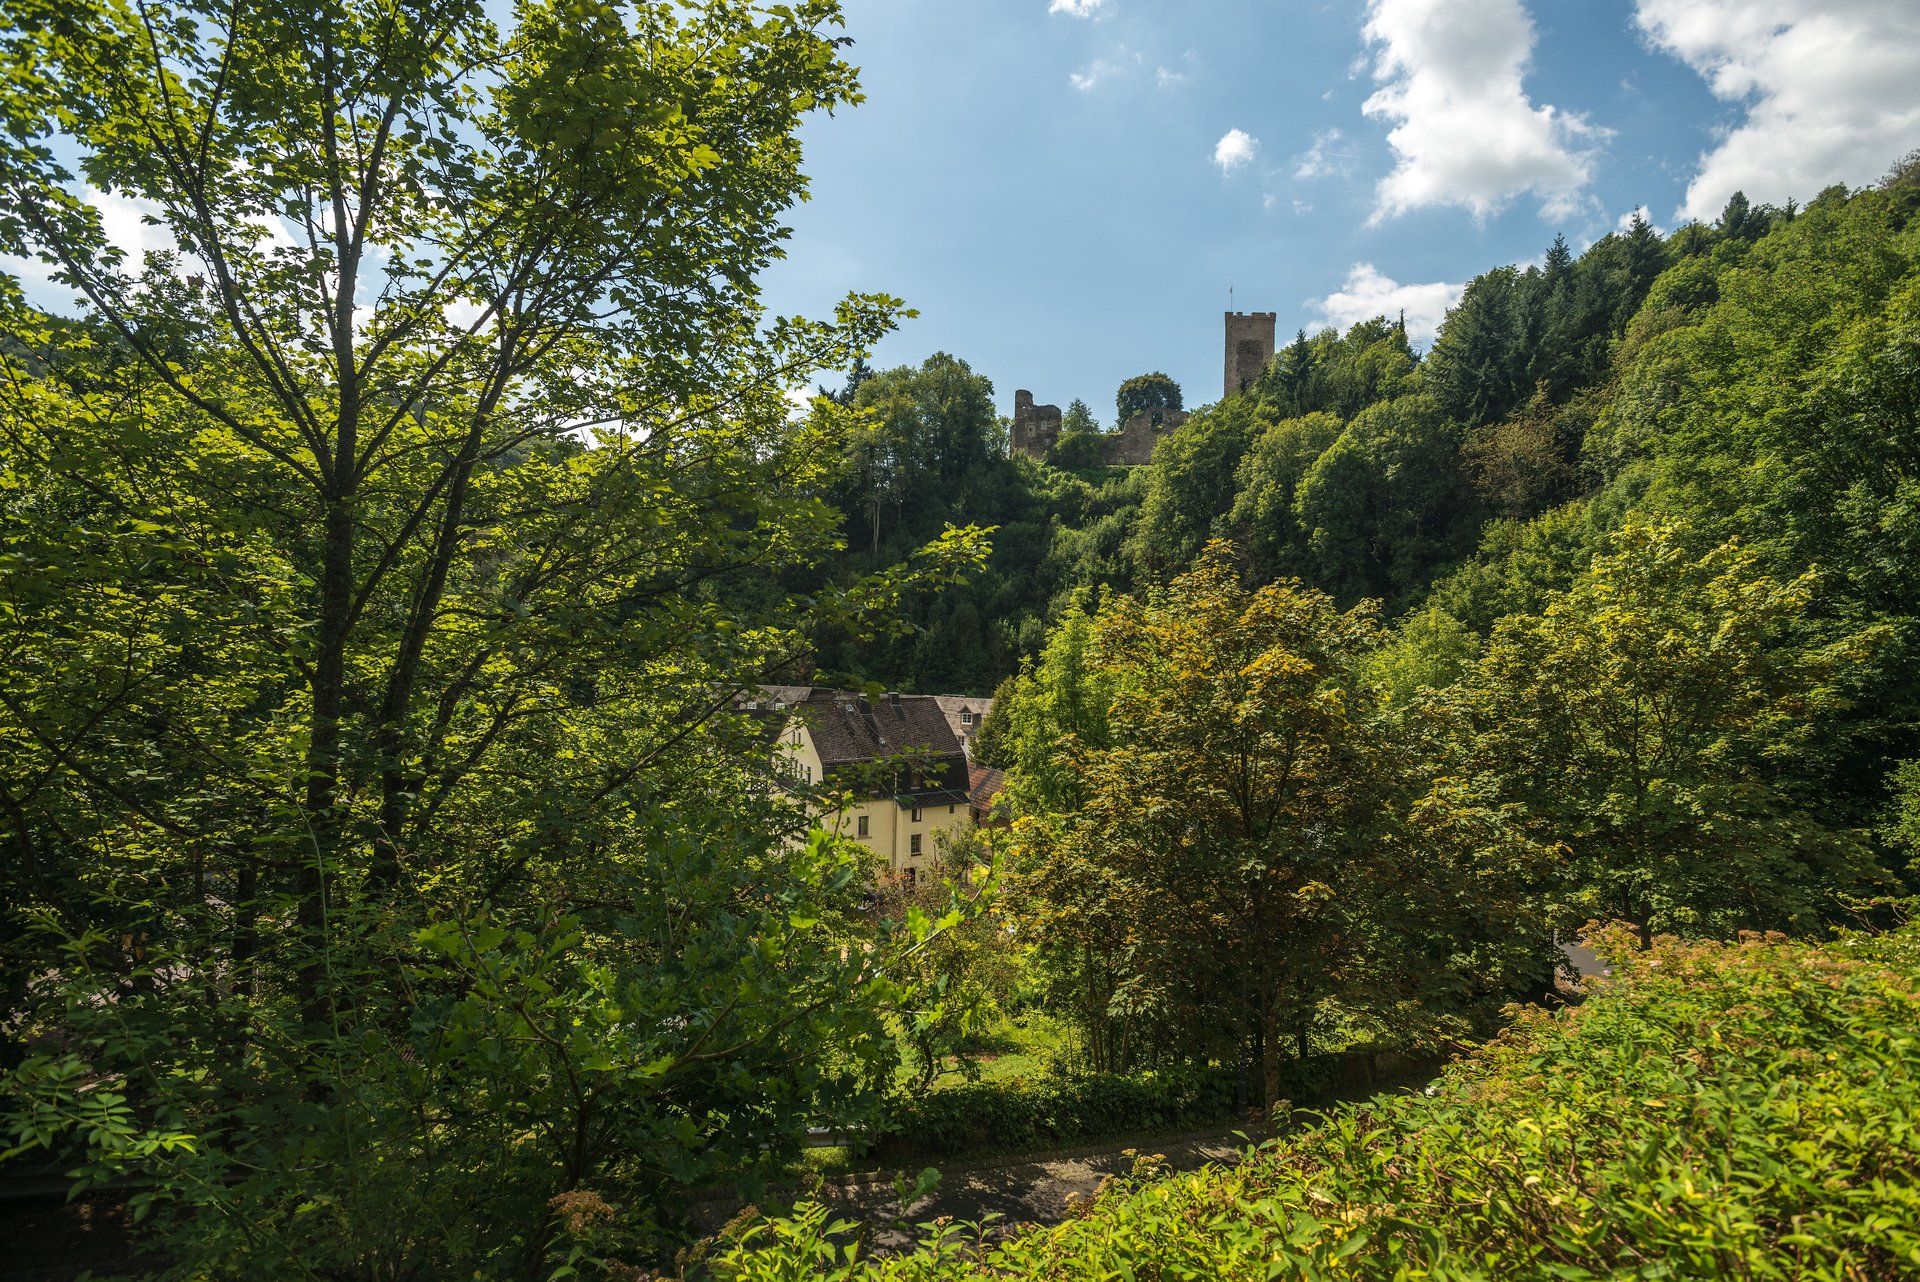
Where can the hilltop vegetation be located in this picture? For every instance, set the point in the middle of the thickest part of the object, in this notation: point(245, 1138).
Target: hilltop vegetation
point(1716, 1111)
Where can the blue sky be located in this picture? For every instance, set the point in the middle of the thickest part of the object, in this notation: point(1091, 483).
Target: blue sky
point(1066, 189)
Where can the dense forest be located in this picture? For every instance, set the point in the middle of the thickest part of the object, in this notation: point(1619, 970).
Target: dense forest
point(397, 883)
point(1370, 470)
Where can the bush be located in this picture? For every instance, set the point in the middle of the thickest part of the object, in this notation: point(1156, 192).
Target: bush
point(1748, 1111)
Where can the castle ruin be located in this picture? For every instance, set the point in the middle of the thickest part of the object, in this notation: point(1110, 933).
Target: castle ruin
point(1132, 445)
point(1036, 428)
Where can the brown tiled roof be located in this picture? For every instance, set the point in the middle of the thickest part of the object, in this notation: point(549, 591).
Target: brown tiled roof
point(984, 783)
point(850, 730)
point(848, 727)
point(955, 704)
point(784, 696)
point(983, 796)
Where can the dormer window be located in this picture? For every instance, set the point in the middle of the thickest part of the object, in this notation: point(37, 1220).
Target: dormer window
point(966, 718)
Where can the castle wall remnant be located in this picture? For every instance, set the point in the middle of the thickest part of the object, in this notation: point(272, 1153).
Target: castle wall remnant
point(1132, 445)
point(1249, 348)
point(1036, 428)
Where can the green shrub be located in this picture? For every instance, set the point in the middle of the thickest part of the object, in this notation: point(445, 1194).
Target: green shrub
point(1747, 1111)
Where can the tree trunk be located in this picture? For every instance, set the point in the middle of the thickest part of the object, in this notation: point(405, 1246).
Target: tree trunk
point(397, 784)
point(246, 943)
point(1269, 1055)
point(323, 757)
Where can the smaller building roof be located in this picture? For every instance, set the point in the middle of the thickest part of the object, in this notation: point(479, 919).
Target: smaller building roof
point(983, 787)
point(952, 705)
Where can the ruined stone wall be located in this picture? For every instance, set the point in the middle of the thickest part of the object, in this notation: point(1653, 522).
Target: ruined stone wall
point(1133, 444)
point(1249, 348)
point(1036, 428)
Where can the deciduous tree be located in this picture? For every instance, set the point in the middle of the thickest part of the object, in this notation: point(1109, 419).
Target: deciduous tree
point(1218, 865)
point(1657, 717)
point(1153, 391)
point(369, 780)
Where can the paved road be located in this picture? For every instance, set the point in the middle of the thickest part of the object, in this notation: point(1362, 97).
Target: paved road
point(1032, 1192)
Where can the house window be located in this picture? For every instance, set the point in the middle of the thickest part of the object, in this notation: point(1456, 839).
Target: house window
point(916, 817)
point(966, 718)
point(862, 829)
point(949, 809)
point(913, 876)
point(913, 847)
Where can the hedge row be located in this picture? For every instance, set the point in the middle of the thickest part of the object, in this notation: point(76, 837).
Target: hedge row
point(1715, 1112)
point(1026, 1113)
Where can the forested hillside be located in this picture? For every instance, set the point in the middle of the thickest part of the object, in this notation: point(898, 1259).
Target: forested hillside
point(1603, 608)
point(1751, 379)
point(1470, 480)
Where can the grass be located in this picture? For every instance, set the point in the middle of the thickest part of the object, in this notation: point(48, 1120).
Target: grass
point(1026, 1046)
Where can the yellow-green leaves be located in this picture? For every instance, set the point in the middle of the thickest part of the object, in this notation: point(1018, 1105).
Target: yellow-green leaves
point(1653, 718)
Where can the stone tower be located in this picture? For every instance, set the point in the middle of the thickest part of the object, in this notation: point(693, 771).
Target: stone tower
point(1249, 348)
point(1036, 428)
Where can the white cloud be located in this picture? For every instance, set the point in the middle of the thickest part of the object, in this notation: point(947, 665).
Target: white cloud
point(1092, 74)
point(1102, 69)
point(461, 313)
point(1829, 88)
point(1167, 77)
point(1323, 159)
point(1644, 214)
point(122, 223)
point(1465, 133)
point(1368, 293)
point(123, 219)
point(1077, 8)
point(1235, 148)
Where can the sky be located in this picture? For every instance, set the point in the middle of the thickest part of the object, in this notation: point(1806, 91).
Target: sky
point(1072, 192)
point(1066, 190)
